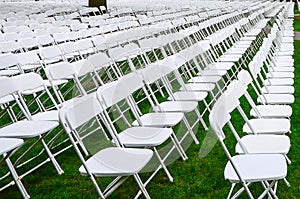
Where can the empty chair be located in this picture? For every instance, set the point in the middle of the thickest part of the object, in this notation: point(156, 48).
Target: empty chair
point(144, 136)
point(248, 168)
point(104, 161)
point(28, 129)
point(32, 84)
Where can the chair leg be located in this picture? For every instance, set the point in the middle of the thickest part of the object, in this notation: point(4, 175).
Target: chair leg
point(163, 165)
point(141, 185)
point(190, 130)
point(247, 190)
point(231, 190)
point(117, 182)
point(178, 146)
point(51, 156)
point(201, 119)
point(17, 179)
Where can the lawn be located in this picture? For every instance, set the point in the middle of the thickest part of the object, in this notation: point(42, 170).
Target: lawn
point(201, 176)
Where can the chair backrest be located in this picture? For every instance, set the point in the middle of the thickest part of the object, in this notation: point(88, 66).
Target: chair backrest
point(9, 87)
point(82, 67)
point(60, 37)
point(9, 46)
point(69, 47)
point(8, 60)
point(99, 60)
point(26, 34)
point(28, 42)
point(236, 89)
point(85, 44)
point(244, 77)
point(80, 111)
point(11, 36)
point(45, 39)
point(50, 52)
point(151, 73)
point(117, 53)
point(28, 58)
point(61, 70)
point(219, 117)
point(28, 81)
point(113, 92)
point(99, 40)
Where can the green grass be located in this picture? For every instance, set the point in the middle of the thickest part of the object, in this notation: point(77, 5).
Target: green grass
point(198, 177)
point(297, 25)
point(296, 11)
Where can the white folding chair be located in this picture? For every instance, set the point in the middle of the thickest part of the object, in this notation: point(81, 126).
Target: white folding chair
point(138, 136)
point(266, 143)
point(27, 129)
point(247, 169)
point(105, 161)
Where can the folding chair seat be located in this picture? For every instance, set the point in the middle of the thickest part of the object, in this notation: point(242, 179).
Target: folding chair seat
point(109, 161)
point(280, 74)
point(278, 89)
point(248, 168)
point(7, 146)
point(276, 99)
